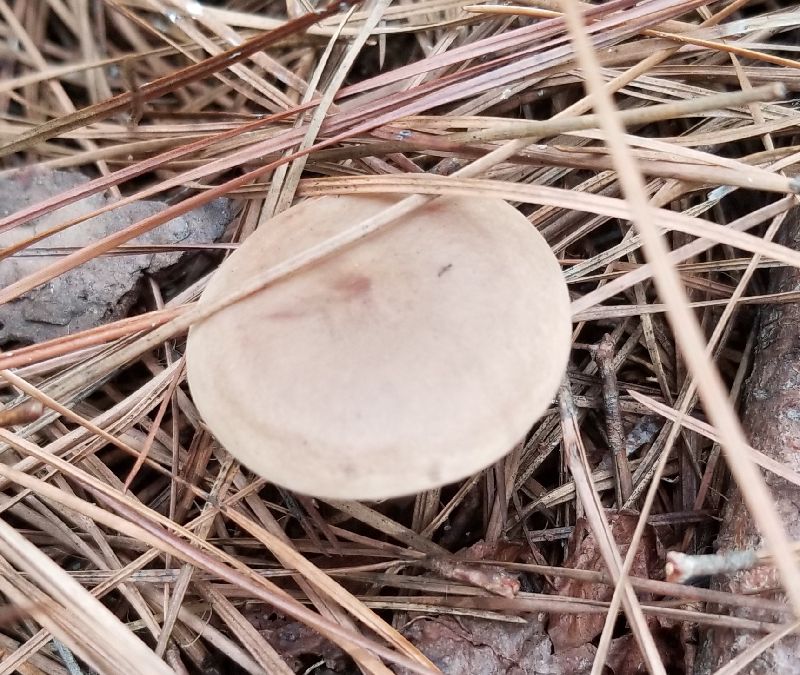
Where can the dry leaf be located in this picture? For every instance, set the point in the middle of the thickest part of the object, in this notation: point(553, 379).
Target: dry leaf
point(624, 657)
point(573, 630)
point(293, 640)
point(477, 646)
point(501, 551)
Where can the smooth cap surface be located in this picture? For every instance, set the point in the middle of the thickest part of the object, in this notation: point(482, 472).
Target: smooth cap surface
point(411, 359)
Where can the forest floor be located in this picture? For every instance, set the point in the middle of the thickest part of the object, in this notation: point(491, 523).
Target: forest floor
point(653, 144)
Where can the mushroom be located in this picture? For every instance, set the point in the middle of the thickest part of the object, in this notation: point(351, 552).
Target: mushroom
point(411, 359)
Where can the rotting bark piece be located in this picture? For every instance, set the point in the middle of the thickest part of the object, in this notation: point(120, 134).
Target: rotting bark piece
point(772, 420)
point(101, 289)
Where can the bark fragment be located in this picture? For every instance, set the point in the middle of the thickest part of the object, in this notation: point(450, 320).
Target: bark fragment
point(102, 289)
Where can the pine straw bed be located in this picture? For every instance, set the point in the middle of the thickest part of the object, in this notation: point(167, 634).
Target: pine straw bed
point(132, 543)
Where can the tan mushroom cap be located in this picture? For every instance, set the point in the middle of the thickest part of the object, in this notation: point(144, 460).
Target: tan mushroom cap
point(409, 360)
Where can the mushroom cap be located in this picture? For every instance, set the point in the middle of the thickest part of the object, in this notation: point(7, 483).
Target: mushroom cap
point(411, 359)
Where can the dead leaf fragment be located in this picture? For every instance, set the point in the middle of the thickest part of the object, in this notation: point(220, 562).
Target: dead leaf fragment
point(573, 630)
point(624, 657)
point(471, 645)
point(293, 640)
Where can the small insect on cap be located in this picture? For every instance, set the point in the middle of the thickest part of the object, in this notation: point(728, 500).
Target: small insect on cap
point(411, 359)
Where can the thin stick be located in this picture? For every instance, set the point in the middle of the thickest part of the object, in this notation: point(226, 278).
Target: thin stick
point(604, 356)
point(682, 568)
